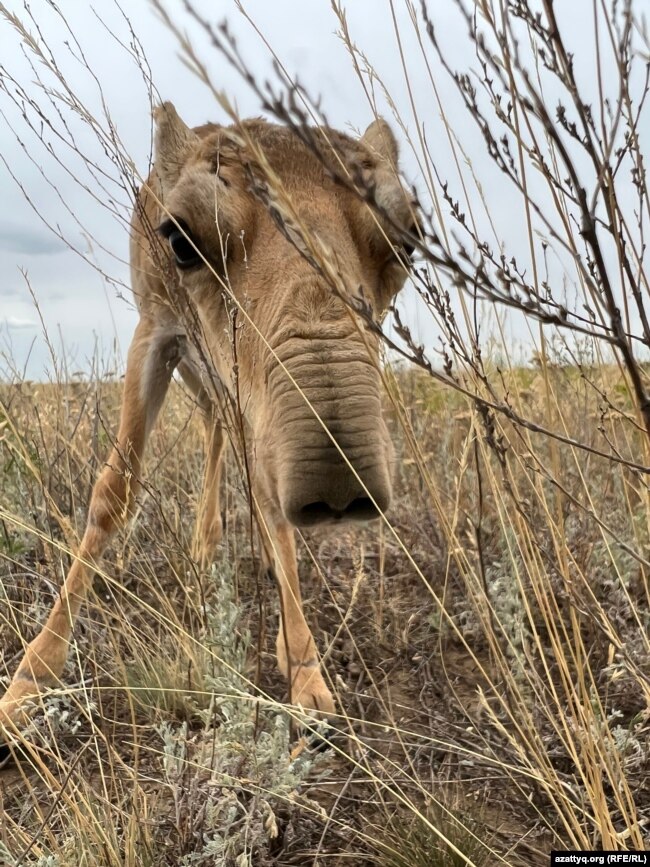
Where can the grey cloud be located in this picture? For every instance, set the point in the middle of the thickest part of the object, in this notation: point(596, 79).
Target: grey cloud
point(16, 323)
point(33, 242)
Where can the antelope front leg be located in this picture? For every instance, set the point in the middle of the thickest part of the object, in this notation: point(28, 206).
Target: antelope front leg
point(298, 658)
point(150, 364)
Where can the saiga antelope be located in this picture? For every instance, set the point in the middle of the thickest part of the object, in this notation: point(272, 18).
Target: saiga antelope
point(204, 243)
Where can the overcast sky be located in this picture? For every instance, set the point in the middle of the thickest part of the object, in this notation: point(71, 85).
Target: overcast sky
point(77, 301)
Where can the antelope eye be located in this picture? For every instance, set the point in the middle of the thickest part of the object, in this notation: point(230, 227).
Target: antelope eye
point(184, 249)
point(182, 243)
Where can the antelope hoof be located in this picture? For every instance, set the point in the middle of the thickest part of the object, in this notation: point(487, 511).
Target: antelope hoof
point(205, 548)
point(320, 741)
point(5, 755)
point(15, 705)
point(309, 690)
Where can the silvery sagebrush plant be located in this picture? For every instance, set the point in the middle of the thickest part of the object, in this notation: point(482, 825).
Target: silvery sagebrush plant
point(241, 762)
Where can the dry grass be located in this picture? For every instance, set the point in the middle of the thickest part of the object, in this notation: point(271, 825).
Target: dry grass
point(489, 642)
point(480, 688)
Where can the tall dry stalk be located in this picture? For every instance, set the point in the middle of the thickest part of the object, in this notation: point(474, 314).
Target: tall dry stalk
point(507, 594)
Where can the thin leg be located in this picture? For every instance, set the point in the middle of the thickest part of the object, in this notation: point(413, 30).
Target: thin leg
point(152, 357)
point(208, 524)
point(297, 655)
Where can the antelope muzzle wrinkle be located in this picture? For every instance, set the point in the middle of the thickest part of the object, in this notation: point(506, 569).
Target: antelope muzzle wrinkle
point(333, 455)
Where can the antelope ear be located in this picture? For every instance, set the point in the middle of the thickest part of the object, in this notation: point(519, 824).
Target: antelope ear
point(380, 139)
point(173, 142)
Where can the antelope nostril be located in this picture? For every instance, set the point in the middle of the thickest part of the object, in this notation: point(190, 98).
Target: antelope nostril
point(314, 513)
point(318, 512)
point(361, 509)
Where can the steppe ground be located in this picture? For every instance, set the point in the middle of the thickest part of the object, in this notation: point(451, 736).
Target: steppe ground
point(454, 646)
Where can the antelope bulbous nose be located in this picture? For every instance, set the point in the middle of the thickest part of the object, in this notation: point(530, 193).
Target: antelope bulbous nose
point(332, 499)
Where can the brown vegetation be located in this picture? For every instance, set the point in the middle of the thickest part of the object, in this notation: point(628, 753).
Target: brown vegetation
point(488, 643)
point(470, 672)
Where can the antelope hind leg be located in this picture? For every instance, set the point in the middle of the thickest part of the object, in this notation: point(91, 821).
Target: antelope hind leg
point(208, 524)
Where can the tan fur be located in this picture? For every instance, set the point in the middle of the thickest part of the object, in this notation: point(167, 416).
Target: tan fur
point(307, 373)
